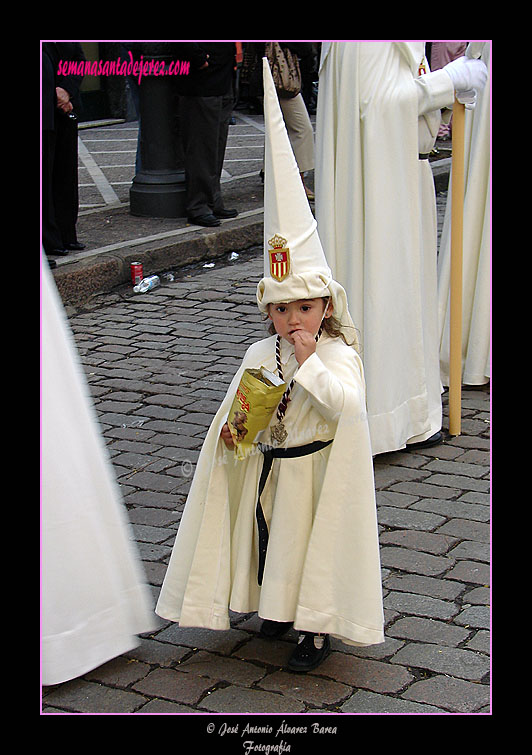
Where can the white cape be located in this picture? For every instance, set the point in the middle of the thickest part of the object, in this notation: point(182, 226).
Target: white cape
point(335, 586)
point(376, 212)
point(94, 597)
point(476, 280)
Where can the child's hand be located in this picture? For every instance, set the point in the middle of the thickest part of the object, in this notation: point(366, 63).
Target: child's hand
point(226, 436)
point(304, 345)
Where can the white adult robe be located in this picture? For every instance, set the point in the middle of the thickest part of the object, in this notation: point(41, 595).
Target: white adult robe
point(476, 279)
point(376, 213)
point(322, 567)
point(94, 595)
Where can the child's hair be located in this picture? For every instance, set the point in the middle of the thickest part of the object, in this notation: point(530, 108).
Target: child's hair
point(331, 325)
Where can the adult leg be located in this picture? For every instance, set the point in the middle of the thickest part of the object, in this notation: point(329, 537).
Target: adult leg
point(300, 132)
point(65, 180)
point(199, 124)
point(51, 237)
point(225, 112)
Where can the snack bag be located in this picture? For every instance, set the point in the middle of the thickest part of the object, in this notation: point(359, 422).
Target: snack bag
point(256, 399)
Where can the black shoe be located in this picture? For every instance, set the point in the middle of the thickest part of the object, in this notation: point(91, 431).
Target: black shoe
point(225, 213)
point(307, 656)
point(274, 629)
point(209, 221)
point(434, 440)
point(58, 252)
point(75, 246)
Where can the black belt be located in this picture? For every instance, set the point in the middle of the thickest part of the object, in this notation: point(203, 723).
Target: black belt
point(270, 454)
point(424, 156)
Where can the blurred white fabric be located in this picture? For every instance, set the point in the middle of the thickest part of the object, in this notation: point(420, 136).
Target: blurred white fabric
point(94, 596)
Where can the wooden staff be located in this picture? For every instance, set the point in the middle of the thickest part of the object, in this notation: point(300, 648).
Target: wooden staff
point(457, 235)
point(474, 50)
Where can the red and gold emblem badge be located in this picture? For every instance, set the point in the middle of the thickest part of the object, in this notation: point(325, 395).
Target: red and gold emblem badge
point(279, 258)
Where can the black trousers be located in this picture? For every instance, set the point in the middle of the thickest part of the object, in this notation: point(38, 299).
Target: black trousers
point(204, 129)
point(60, 198)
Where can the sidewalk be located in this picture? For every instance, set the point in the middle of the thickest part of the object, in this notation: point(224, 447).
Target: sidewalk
point(114, 238)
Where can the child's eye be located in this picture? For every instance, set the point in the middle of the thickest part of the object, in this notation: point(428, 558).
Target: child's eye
point(280, 309)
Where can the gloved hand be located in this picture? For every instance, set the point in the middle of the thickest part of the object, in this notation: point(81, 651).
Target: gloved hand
point(468, 98)
point(469, 76)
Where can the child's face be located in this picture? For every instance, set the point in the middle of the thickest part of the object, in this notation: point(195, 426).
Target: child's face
point(303, 314)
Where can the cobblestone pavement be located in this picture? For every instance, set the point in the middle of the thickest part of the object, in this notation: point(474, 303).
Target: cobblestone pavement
point(158, 365)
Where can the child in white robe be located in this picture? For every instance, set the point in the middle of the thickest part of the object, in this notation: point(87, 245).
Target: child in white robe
point(291, 530)
point(321, 569)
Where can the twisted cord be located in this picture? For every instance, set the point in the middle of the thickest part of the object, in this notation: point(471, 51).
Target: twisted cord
point(283, 404)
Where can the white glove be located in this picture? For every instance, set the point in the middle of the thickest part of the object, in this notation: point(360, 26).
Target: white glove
point(467, 73)
point(468, 98)
point(469, 76)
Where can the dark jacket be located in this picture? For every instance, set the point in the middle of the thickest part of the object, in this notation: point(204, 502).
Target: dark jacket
point(214, 80)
